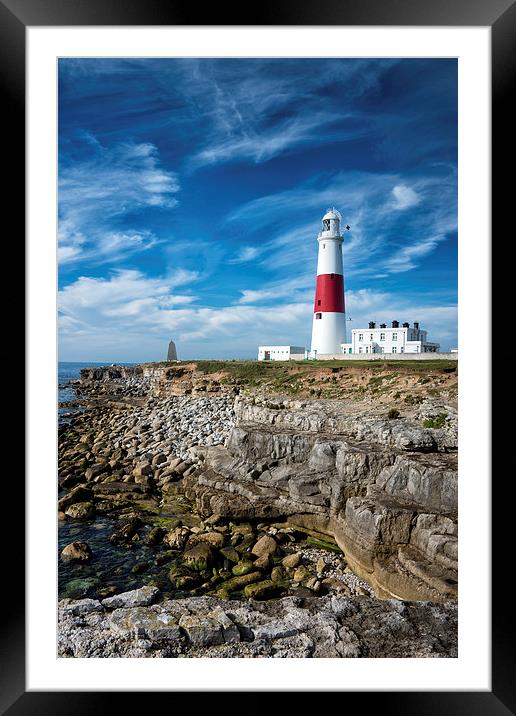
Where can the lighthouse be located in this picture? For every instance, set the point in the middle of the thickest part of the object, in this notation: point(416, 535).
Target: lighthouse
point(329, 322)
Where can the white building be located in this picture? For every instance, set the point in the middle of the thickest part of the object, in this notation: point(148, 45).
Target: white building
point(281, 352)
point(395, 339)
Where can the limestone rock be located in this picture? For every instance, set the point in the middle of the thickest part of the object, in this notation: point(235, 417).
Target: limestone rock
point(76, 552)
point(263, 590)
point(202, 631)
point(77, 494)
point(292, 560)
point(177, 537)
point(141, 597)
point(142, 623)
point(265, 545)
point(199, 557)
point(81, 511)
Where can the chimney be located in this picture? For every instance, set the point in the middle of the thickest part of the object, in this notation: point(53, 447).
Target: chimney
point(416, 325)
point(383, 325)
point(406, 325)
point(395, 324)
point(372, 324)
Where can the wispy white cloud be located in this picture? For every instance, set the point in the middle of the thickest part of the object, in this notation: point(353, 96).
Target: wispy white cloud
point(260, 145)
point(410, 256)
point(129, 316)
point(404, 197)
point(102, 187)
point(295, 289)
point(264, 108)
point(383, 239)
point(245, 254)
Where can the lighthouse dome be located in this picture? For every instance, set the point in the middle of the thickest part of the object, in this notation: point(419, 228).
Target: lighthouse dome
point(332, 214)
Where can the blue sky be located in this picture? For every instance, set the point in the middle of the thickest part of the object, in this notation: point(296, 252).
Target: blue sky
point(191, 193)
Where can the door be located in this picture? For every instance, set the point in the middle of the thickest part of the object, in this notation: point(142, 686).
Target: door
point(267, 355)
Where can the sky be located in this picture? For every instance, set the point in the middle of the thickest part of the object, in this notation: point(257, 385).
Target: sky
point(191, 192)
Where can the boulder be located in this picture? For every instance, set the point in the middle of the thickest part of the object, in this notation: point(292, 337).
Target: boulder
point(199, 557)
point(230, 553)
point(77, 494)
point(265, 545)
point(301, 574)
point(291, 561)
point(215, 539)
point(177, 537)
point(125, 530)
point(155, 536)
point(95, 470)
point(141, 597)
point(202, 631)
point(142, 623)
point(81, 511)
point(76, 552)
point(142, 469)
point(263, 590)
point(243, 567)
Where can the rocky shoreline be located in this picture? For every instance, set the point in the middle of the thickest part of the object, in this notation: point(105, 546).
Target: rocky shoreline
point(128, 625)
point(219, 498)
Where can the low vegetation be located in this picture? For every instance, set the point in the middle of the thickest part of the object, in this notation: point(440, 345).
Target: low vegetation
point(382, 381)
point(438, 422)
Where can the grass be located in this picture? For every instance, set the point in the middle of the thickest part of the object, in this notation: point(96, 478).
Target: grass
point(255, 368)
point(290, 376)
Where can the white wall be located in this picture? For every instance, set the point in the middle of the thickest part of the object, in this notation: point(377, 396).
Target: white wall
point(328, 332)
point(280, 352)
point(388, 356)
point(329, 259)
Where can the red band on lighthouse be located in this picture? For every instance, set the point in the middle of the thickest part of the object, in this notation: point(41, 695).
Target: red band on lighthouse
point(329, 293)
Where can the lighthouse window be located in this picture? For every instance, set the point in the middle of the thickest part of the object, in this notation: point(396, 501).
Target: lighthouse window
point(318, 315)
point(326, 223)
point(324, 246)
point(332, 275)
point(319, 302)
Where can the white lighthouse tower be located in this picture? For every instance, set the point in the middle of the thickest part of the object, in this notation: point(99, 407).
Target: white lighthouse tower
point(329, 322)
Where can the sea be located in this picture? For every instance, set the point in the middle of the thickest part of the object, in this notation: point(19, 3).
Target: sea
point(68, 371)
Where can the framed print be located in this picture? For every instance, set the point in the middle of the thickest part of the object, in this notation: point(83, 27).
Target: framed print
point(263, 246)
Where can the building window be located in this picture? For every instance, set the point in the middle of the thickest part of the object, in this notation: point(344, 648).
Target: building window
point(367, 349)
point(360, 336)
point(382, 349)
point(371, 336)
point(402, 350)
point(360, 349)
point(394, 336)
point(382, 336)
point(350, 350)
point(318, 315)
point(394, 349)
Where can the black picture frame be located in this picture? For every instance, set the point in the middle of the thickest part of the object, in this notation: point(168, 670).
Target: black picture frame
point(500, 16)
